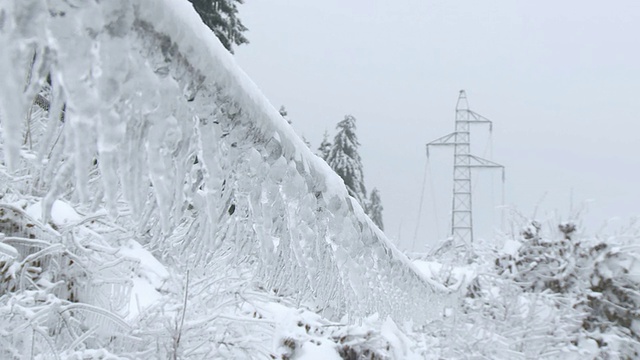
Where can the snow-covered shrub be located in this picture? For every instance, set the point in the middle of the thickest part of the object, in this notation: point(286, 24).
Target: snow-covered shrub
point(307, 334)
point(553, 291)
point(66, 291)
point(543, 263)
point(613, 298)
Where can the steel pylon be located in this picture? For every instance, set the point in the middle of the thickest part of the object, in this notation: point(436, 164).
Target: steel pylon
point(463, 162)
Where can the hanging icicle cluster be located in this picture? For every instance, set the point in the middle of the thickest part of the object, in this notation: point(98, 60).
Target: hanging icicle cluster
point(136, 108)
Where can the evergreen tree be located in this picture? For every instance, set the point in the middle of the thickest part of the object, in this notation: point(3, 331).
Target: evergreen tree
point(283, 112)
point(325, 147)
point(306, 142)
point(374, 208)
point(345, 160)
point(221, 16)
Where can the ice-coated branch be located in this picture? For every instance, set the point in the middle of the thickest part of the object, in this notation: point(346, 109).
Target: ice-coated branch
point(165, 132)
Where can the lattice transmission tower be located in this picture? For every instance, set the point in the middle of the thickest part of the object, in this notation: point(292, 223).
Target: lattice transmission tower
point(463, 162)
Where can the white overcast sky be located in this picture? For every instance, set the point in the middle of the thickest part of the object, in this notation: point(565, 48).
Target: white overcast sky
point(559, 79)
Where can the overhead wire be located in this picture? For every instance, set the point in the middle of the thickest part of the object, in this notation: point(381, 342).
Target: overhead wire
point(435, 207)
point(424, 183)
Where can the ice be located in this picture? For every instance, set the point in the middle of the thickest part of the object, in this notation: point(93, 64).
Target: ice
point(16, 61)
point(151, 119)
point(444, 276)
point(8, 251)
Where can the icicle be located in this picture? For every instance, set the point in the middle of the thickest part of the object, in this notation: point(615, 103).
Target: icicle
point(108, 165)
point(135, 98)
point(58, 185)
point(110, 135)
point(133, 168)
point(163, 137)
point(12, 107)
point(18, 39)
point(82, 136)
point(52, 164)
point(56, 118)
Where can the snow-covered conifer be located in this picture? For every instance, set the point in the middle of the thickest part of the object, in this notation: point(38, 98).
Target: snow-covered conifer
point(325, 147)
point(374, 208)
point(345, 160)
point(221, 16)
point(283, 112)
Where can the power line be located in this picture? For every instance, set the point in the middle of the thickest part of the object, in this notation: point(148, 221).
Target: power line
point(463, 162)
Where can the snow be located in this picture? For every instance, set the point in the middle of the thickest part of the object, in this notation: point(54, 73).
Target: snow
point(62, 213)
point(148, 280)
point(511, 247)
point(317, 351)
point(163, 133)
point(217, 232)
point(302, 334)
point(150, 269)
point(398, 341)
point(143, 296)
point(448, 278)
point(588, 348)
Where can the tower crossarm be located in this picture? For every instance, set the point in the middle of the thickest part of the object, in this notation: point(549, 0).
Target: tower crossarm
point(472, 117)
point(445, 140)
point(478, 162)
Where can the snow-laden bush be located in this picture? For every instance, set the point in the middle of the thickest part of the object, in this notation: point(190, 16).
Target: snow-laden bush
point(66, 291)
point(552, 292)
point(613, 299)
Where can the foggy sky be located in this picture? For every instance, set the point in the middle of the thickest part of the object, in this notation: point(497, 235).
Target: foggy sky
point(560, 80)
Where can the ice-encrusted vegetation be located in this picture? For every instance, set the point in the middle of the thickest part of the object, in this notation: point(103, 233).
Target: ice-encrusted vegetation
point(133, 118)
point(155, 205)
